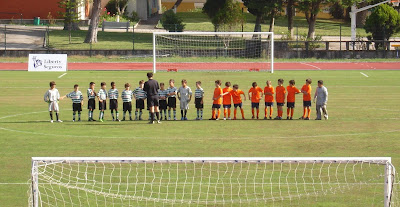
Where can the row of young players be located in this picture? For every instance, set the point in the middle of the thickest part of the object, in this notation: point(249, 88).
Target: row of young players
point(222, 97)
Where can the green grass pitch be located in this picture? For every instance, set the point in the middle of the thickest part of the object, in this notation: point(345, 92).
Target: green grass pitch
point(363, 121)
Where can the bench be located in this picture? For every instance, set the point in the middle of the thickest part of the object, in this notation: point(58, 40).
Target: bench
point(115, 25)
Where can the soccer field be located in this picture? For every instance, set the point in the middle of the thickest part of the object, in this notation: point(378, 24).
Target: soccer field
point(363, 122)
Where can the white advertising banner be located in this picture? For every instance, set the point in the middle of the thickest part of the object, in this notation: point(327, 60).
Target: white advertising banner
point(48, 62)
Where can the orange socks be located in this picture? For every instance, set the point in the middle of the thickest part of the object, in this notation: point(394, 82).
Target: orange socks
point(288, 111)
point(270, 111)
point(291, 113)
point(252, 111)
point(225, 112)
point(266, 111)
point(258, 112)
point(234, 113)
point(304, 112)
point(229, 113)
point(309, 112)
point(219, 113)
point(241, 110)
point(213, 113)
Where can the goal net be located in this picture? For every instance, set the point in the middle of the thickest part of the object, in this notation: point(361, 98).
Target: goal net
point(213, 51)
point(218, 181)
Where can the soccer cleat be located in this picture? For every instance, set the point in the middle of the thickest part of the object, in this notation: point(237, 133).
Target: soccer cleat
point(270, 117)
point(291, 118)
point(165, 118)
point(252, 117)
point(175, 119)
point(185, 118)
point(151, 122)
point(59, 121)
point(216, 119)
point(113, 119)
point(326, 117)
point(89, 119)
point(287, 118)
point(317, 119)
point(301, 118)
point(73, 120)
point(201, 118)
point(212, 119)
point(169, 118)
point(224, 119)
point(234, 118)
point(182, 119)
point(307, 118)
point(257, 117)
point(277, 118)
point(101, 120)
point(79, 120)
point(51, 121)
point(265, 118)
point(123, 119)
point(197, 118)
point(158, 121)
point(93, 120)
point(229, 118)
point(117, 120)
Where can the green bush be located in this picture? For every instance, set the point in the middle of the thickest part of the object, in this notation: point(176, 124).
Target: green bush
point(383, 22)
point(337, 11)
point(171, 22)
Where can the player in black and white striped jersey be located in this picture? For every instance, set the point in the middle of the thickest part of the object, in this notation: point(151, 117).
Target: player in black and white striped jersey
point(140, 96)
point(91, 94)
point(113, 96)
point(162, 95)
point(171, 98)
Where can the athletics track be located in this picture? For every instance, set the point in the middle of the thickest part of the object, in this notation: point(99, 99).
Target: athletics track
point(221, 66)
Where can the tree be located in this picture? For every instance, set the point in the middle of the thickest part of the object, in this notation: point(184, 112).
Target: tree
point(117, 7)
point(290, 10)
point(91, 35)
point(70, 14)
point(177, 3)
point(229, 16)
point(383, 22)
point(264, 9)
point(211, 8)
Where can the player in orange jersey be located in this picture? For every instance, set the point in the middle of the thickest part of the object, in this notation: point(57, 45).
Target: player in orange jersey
point(280, 98)
point(217, 100)
point(255, 94)
point(237, 100)
point(269, 92)
point(306, 90)
point(227, 100)
point(291, 98)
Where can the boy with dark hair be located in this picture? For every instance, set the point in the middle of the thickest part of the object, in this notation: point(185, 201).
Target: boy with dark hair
point(255, 94)
point(162, 95)
point(126, 96)
point(321, 95)
point(52, 96)
point(227, 100)
point(199, 103)
point(113, 96)
point(306, 90)
point(269, 99)
point(102, 96)
point(291, 98)
point(185, 96)
point(77, 102)
point(140, 96)
point(171, 98)
point(237, 100)
point(91, 100)
point(280, 98)
point(217, 101)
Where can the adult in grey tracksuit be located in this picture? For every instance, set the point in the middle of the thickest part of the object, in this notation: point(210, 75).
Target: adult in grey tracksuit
point(321, 96)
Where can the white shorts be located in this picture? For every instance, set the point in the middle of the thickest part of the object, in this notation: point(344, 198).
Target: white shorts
point(53, 106)
point(184, 105)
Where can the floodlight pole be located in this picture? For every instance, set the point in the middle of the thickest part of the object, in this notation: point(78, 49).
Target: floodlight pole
point(353, 16)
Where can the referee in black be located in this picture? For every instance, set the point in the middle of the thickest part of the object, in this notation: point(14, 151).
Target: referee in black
point(151, 87)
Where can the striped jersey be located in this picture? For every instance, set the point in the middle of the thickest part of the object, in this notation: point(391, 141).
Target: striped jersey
point(90, 95)
point(162, 93)
point(76, 96)
point(113, 93)
point(172, 90)
point(199, 93)
point(139, 93)
point(126, 96)
point(102, 94)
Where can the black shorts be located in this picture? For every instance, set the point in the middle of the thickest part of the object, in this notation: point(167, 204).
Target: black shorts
point(172, 102)
point(290, 104)
point(77, 107)
point(255, 105)
point(216, 106)
point(139, 104)
point(103, 105)
point(91, 104)
point(227, 106)
point(238, 105)
point(114, 104)
point(269, 104)
point(152, 101)
point(280, 104)
point(306, 103)
point(198, 104)
point(127, 106)
point(163, 104)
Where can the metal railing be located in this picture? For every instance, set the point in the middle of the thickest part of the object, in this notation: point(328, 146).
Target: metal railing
point(20, 14)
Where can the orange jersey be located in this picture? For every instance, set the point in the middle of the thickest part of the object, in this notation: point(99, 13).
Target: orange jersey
point(292, 90)
point(237, 99)
point(227, 99)
point(217, 94)
point(269, 98)
point(255, 94)
point(306, 97)
point(280, 94)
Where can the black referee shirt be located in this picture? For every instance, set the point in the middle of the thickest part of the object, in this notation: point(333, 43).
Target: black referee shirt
point(151, 87)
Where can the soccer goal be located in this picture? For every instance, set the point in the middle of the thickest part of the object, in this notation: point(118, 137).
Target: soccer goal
point(212, 181)
point(213, 51)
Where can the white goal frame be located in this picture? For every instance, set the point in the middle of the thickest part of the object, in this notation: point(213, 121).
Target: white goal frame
point(270, 34)
point(389, 171)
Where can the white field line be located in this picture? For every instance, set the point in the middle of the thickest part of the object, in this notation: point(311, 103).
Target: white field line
point(62, 75)
point(364, 74)
point(311, 65)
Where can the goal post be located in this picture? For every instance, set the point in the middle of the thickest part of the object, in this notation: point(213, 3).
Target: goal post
point(233, 181)
point(216, 51)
